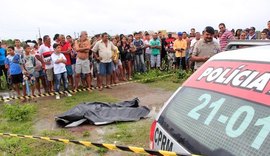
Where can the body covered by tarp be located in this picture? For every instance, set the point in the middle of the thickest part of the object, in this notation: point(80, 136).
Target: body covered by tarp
point(99, 113)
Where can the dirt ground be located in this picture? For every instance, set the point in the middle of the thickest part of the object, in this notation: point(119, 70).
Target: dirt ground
point(149, 96)
point(154, 98)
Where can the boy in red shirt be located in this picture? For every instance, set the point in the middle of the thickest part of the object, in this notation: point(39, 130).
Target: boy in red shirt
point(66, 50)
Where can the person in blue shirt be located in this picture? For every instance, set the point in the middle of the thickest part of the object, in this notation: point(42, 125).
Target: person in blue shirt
point(13, 64)
point(2, 62)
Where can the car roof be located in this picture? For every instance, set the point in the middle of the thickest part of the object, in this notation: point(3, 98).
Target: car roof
point(249, 42)
point(258, 53)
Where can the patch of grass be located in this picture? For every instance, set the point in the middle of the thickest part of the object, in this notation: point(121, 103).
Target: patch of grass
point(21, 123)
point(53, 107)
point(19, 112)
point(101, 151)
point(172, 82)
point(131, 133)
point(150, 74)
point(16, 127)
point(25, 147)
point(86, 134)
point(59, 133)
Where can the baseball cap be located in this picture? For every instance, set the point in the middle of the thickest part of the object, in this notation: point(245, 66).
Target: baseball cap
point(179, 33)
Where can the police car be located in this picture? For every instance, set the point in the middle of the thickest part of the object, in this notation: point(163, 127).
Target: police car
point(222, 109)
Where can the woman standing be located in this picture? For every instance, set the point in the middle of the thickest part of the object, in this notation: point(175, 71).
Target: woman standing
point(126, 57)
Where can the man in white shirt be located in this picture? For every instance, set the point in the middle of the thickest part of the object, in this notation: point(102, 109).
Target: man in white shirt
point(194, 41)
point(147, 50)
point(104, 48)
point(46, 50)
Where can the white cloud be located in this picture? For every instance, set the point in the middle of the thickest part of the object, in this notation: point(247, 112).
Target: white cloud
point(21, 19)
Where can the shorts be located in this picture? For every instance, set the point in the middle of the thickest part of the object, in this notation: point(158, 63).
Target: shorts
point(105, 68)
point(116, 65)
point(16, 79)
point(49, 73)
point(82, 66)
point(69, 70)
point(39, 74)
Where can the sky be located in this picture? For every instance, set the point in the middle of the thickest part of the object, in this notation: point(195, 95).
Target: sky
point(23, 18)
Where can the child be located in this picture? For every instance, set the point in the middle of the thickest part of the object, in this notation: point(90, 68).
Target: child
point(29, 64)
point(13, 64)
point(59, 68)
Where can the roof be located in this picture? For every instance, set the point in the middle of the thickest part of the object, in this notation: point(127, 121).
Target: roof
point(259, 53)
point(249, 42)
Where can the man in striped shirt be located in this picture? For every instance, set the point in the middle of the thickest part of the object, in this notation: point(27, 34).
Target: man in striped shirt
point(226, 35)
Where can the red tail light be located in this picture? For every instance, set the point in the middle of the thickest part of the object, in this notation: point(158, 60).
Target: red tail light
point(152, 133)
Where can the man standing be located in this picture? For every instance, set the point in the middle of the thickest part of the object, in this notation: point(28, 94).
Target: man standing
point(104, 48)
point(82, 66)
point(169, 48)
point(18, 48)
point(155, 53)
point(226, 35)
point(139, 58)
point(180, 46)
point(195, 40)
point(192, 33)
point(46, 50)
point(66, 50)
point(162, 41)
point(251, 34)
point(205, 48)
point(147, 50)
point(3, 69)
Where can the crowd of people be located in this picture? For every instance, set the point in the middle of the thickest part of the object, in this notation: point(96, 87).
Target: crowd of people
point(103, 59)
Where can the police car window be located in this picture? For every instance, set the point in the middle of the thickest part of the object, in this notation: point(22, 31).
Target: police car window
point(218, 122)
point(235, 47)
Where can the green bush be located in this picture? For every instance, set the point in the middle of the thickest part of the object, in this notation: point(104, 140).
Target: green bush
point(18, 112)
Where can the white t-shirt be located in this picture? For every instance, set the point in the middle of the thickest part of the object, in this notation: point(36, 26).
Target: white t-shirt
point(147, 50)
point(58, 68)
point(44, 51)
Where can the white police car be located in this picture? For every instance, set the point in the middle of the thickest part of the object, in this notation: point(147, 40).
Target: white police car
point(222, 109)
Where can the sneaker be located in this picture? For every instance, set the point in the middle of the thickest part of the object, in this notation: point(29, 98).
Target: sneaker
point(69, 95)
point(57, 97)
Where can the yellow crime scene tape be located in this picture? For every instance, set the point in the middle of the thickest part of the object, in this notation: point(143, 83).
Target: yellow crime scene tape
point(76, 90)
point(132, 149)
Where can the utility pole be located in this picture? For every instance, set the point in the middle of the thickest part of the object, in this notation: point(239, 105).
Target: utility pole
point(39, 32)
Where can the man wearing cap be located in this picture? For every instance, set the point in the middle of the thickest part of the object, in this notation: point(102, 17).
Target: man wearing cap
point(180, 46)
point(205, 48)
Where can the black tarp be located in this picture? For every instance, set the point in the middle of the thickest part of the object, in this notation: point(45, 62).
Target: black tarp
point(99, 113)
